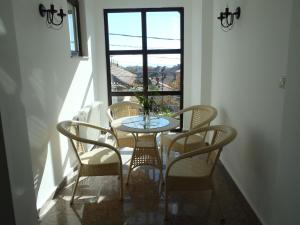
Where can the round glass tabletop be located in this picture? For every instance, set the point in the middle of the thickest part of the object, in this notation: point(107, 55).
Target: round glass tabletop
point(139, 124)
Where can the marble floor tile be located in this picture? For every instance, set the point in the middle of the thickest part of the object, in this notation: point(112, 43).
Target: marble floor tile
point(97, 202)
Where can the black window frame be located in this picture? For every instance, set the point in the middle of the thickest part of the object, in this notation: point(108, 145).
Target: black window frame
point(77, 31)
point(145, 52)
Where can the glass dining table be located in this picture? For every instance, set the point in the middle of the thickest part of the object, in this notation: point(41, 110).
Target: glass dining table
point(145, 133)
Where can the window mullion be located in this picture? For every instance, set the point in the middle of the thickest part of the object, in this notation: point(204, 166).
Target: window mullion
point(145, 57)
point(181, 62)
point(106, 29)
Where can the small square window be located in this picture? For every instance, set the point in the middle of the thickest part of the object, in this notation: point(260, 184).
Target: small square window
point(74, 28)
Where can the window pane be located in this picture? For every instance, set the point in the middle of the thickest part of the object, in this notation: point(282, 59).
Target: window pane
point(125, 31)
point(72, 24)
point(117, 99)
point(163, 30)
point(126, 72)
point(164, 72)
point(167, 104)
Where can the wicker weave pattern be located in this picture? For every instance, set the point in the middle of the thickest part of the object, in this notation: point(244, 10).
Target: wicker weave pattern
point(201, 116)
point(146, 156)
point(74, 129)
point(119, 110)
point(145, 153)
point(123, 109)
point(219, 136)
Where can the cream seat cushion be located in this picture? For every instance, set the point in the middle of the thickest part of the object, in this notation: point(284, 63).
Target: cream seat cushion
point(190, 167)
point(193, 142)
point(99, 156)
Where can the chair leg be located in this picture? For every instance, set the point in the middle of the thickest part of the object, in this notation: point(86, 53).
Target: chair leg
point(121, 185)
point(129, 172)
point(75, 186)
point(166, 202)
point(161, 148)
point(161, 176)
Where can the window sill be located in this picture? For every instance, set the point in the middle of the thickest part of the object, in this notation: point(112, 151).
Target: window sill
point(80, 57)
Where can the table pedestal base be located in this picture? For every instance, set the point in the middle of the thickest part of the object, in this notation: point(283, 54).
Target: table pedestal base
point(144, 155)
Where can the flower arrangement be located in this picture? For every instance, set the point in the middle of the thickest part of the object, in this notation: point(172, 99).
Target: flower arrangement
point(147, 103)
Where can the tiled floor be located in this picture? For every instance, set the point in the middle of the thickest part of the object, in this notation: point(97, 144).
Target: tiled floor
point(96, 202)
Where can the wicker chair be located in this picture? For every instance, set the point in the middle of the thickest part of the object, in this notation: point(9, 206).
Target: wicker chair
point(102, 159)
point(194, 170)
point(123, 109)
point(201, 116)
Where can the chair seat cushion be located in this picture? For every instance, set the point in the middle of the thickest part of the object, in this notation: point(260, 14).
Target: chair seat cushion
point(99, 156)
point(193, 142)
point(190, 167)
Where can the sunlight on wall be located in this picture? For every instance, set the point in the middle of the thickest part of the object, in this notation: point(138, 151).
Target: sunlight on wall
point(7, 84)
point(77, 95)
point(90, 97)
point(2, 28)
point(79, 89)
point(77, 92)
point(46, 180)
point(80, 93)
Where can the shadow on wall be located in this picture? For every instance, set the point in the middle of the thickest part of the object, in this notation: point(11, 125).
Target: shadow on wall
point(15, 132)
point(256, 152)
point(14, 122)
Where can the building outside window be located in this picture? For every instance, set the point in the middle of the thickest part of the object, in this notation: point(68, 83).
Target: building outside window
point(144, 53)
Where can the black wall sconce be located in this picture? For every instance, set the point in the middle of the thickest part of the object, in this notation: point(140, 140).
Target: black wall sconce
point(227, 18)
point(51, 14)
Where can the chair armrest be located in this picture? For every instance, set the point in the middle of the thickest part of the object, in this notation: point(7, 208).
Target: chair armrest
point(101, 129)
point(183, 111)
point(108, 112)
point(186, 135)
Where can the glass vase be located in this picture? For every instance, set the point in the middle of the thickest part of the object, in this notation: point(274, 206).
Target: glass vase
point(147, 119)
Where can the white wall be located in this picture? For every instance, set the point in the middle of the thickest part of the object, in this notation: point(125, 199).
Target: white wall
point(286, 197)
point(54, 87)
point(247, 64)
point(206, 51)
point(14, 124)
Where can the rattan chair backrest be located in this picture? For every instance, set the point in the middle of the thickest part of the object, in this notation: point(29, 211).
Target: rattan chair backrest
point(122, 109)
point(219, 136)
point(202, 115)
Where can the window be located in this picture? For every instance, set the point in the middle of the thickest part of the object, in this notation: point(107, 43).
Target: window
point(74, 28)
point(144, 54)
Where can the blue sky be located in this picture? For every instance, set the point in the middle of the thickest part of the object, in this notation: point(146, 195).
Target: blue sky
point(164, 25)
